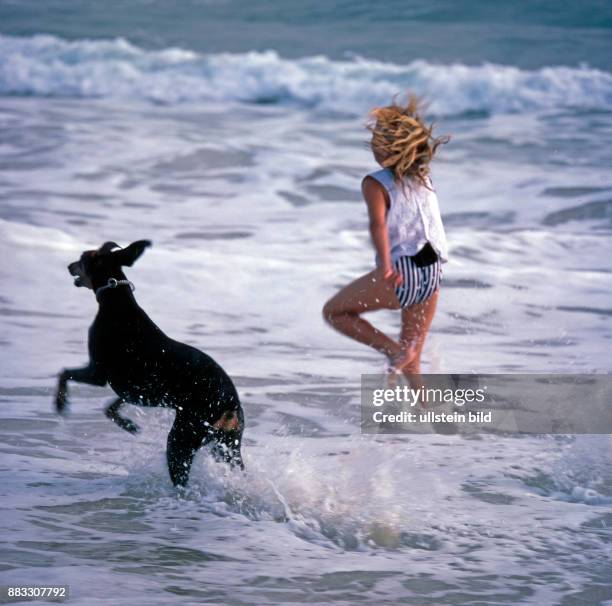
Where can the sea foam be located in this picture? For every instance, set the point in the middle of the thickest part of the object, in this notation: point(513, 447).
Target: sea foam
point(45, 65)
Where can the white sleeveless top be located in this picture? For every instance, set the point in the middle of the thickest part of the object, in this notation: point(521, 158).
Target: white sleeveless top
point(413, 217)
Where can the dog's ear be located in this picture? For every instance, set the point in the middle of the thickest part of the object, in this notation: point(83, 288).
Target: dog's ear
point(127, 256)
point(107, 247)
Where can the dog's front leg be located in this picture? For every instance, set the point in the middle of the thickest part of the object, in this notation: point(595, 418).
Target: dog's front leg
point(112, 412)
point(88, 374)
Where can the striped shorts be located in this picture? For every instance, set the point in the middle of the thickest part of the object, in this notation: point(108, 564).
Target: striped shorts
point(418, 283)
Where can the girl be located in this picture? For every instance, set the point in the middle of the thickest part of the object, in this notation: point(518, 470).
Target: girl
point(407, 233)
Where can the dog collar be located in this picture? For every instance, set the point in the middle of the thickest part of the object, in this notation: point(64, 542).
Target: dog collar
point(113, 283)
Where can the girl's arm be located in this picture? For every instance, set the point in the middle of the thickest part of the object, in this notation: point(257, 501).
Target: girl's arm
point(376, 199)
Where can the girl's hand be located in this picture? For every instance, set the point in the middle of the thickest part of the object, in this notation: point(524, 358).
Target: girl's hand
point(390, 275)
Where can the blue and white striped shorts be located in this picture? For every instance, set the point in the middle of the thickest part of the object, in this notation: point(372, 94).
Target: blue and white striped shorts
point(418, 283)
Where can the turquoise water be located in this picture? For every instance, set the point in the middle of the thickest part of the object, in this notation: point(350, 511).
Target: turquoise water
point(523, 33)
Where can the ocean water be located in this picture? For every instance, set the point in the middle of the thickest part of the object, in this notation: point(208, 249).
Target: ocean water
point(232, 135)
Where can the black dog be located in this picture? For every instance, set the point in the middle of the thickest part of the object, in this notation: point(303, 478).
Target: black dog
point(145, 367)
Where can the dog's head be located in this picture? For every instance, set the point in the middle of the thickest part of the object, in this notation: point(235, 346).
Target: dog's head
point(95, 267)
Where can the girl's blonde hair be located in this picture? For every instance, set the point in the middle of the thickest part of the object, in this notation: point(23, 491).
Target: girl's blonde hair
point(407, 142)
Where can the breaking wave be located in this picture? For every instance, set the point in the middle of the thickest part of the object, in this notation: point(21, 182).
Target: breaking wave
point(45, 65)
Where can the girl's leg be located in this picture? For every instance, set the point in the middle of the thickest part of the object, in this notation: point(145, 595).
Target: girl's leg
point(368, 293)
point(416, 321)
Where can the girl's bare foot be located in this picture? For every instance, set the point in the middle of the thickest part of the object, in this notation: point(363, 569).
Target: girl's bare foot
point(399, 361)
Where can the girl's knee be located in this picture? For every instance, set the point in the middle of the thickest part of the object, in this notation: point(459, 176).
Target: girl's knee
point(330, 312)
point(326, 311)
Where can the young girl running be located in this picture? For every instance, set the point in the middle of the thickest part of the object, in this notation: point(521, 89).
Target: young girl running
point(408, 236)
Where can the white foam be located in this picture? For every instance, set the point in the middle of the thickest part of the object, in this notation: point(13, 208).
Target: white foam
point(44, 65)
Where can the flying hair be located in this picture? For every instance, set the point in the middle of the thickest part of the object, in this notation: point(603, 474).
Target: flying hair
point(406, 142)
